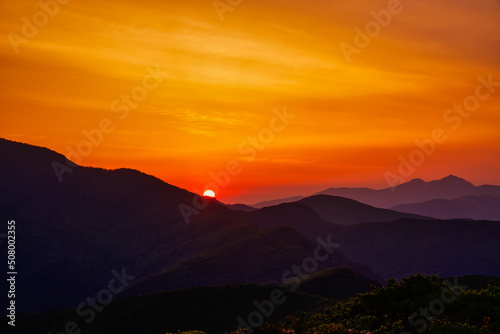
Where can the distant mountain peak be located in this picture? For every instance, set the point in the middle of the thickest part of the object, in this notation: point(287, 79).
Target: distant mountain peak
point(455, 179)
point(452, 177)
point(416, 181)
point(414, 191)
point(450, 180)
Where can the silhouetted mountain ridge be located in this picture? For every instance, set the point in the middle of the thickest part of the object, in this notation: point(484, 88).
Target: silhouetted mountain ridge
point(455, 247)
point(345, 211)
point(261, 257)
point(241, 207)
point(414, 191)
point(485, 207)
point(95, 221)
point(73, 234)
point(296, 215)
point(263, 204)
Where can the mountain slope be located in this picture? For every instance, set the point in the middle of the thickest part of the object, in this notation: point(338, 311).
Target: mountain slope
point(407, 246)
point(73, 234)
point(336, 283)
point(242, 207)
point(345, 211)
point(219, 309)
point(394, 248)
point(295, 215)
point(274, 202)
point(213, 310)
point(486, 207)
point(263, 257)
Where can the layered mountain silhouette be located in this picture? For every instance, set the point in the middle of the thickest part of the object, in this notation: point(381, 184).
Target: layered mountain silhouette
point(391, 243)
point(261, 257)
point(263, 204)
point(443, 247)
point(73, 235)
point(485, 207)
point(241, 207)
point(345, 211)
point(313, 216)
point(415, 191)
point(295, 215)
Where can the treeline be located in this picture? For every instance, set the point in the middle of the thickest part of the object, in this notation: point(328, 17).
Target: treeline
point(419, 304)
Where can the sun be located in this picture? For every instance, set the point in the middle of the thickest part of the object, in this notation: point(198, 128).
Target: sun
point(209, 193)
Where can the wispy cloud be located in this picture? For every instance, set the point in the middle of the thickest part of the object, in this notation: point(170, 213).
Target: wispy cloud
point(226, 77)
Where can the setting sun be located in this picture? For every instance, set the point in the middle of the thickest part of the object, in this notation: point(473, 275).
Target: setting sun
point(209, 193)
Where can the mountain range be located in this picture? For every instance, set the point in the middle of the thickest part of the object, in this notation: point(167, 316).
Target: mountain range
point(98, 221)
point(448, 198)
point(415, 191)
point(73, 235)
point(485, 207)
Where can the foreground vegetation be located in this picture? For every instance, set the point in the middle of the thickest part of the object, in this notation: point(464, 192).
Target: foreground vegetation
point(419, 304)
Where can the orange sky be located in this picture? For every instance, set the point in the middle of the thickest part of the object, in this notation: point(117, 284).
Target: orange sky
point(220, 80)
